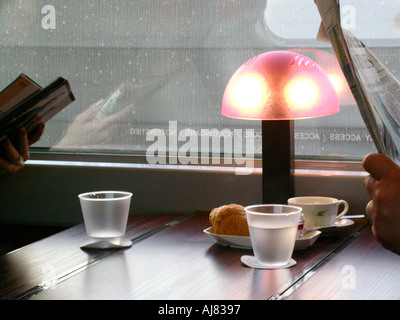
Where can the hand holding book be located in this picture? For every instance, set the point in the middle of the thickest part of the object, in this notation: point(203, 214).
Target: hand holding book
point(24, 108)
point(24, 104)
point(14, 154)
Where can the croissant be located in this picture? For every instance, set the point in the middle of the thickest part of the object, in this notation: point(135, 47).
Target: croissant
point(229, 220)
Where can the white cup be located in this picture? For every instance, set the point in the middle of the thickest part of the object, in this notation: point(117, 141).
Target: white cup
point(105, 213)
point(273, 230)
point(319, 211)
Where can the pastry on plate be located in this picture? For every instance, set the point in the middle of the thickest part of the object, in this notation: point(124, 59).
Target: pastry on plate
point(229, 220)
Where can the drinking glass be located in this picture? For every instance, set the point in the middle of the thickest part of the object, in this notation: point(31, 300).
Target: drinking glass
point(273, 229)
point(105, 213)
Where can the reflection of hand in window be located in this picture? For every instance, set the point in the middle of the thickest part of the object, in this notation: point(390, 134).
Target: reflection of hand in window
point(86, 130)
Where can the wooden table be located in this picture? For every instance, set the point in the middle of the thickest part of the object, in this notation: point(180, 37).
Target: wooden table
point(172, 258)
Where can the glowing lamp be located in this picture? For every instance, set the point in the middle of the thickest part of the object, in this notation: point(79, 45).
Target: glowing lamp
point(277, 88)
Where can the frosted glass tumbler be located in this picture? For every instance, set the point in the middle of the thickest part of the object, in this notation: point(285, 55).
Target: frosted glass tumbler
point(105, 213)
point(273, 229)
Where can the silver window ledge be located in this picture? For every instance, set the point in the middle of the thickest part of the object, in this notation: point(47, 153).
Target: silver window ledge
point(45, 191)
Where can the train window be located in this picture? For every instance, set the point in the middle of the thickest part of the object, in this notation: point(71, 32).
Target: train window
point(150, 69)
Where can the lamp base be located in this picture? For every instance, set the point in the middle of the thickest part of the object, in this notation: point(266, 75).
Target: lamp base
point(277, 160)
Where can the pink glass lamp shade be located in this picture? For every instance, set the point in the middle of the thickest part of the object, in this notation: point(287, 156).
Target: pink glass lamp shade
point(279, 85)
point(332, 69)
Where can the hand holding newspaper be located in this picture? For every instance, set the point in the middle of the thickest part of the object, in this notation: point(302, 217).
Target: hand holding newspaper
point(24, 103)
point(375, 89)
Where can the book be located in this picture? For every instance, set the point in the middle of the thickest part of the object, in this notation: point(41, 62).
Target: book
point(24, 103)
point(375, 89)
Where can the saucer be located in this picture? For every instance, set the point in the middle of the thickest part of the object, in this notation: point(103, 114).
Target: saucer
point(108, 244)
point(251, 262)
point(337, 225)
point(242, 242)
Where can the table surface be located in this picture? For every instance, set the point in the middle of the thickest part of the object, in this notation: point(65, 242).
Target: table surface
point(172, 258)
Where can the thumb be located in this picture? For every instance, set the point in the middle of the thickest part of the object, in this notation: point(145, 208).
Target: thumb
point(378, 165)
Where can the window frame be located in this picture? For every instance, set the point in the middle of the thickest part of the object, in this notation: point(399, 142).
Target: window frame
point(48, 170)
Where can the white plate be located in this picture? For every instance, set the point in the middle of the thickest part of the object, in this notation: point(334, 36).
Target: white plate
point(245, 243)
point(337, 225)
point(227, 240)
point(308, 239)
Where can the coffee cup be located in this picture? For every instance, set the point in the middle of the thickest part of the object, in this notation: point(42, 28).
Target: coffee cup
point(319, 211)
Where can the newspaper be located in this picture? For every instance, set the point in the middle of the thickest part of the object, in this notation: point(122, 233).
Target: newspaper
point(375, 89)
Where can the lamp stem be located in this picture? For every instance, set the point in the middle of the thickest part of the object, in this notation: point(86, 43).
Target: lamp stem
point(277, 160)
